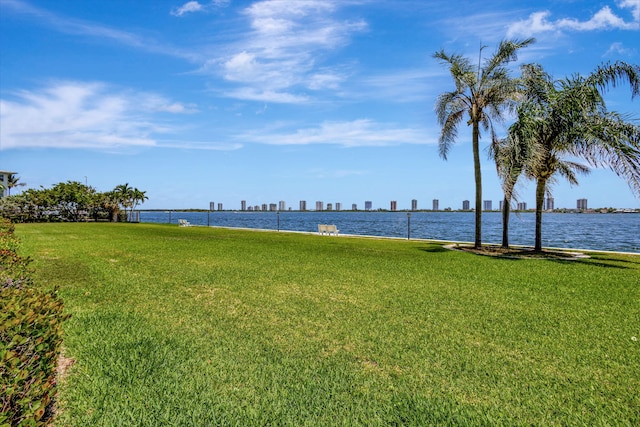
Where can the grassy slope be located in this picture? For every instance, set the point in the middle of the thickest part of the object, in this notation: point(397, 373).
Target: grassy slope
point(197, 326)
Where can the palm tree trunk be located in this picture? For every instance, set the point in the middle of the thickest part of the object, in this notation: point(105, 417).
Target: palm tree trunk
point(506, 210)
point(541, 186)
point(476, 166)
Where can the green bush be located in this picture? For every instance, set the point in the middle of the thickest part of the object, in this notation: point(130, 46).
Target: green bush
point(14, 270)
point(8, 241)
point(30, 340)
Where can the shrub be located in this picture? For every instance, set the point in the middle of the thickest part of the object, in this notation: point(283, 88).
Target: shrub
point(30, 340)
point(8, 240)
point(14, 271)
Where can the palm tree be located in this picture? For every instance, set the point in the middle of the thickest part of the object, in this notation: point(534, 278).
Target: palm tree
point(123, 193)
point(110, 202)
point(484, 92)
point(510, 155)
point(128, 197)
point(137, 197)
point(567, 120)
point(13, 181)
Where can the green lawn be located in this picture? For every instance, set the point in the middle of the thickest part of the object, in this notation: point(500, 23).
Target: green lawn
point(201, 326)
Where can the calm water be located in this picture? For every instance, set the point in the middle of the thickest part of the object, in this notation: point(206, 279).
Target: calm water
point(611, 232)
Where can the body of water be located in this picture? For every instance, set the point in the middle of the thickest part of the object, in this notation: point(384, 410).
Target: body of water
point(609, 232)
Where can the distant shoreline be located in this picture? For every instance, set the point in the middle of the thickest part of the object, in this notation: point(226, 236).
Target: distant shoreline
point(567, 211)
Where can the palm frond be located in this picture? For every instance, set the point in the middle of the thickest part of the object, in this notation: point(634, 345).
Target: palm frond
point(614, 74)
point(569, 170)
point(506, 52)
point(449, 132)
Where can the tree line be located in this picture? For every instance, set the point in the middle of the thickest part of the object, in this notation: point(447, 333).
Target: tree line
point(562, 127)
point(72, 201)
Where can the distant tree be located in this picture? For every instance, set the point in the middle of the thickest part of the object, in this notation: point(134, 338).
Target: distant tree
point(34, 205)
point(567, 120)
point(110, 203)
point(72, 199)
point(138, 198)
point(483, 93)
point(13, 181)
point(129, 197)
point(123, 193)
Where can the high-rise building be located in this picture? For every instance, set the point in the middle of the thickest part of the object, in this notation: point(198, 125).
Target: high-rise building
point(582, 204)
point(4, 182)
point(219, 206)
point(465, 205)
point(548, 204)
point(354, 207)
point(212, 206)
point(282, 206)
point(394, 205)
point(501, 205)
point(264, 206)
point(522, 206)
point(256, 208)
point(414, 205)
point(338, 206)
point(487, 205)
point(368, 205)
point(243, 205)
point(303, 205)
point(435, 206)
point(319, 206)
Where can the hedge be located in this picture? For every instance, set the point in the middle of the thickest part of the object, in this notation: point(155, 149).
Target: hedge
point(30, 339)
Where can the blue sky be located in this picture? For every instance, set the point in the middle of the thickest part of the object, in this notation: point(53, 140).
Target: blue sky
point(229, 100)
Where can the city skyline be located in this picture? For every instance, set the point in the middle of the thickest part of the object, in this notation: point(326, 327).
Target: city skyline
point(548, 204)
point(200, 100)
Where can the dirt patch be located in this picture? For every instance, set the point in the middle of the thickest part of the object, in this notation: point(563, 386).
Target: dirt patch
point(64, 363)
point(52, 410)
point(519, 252)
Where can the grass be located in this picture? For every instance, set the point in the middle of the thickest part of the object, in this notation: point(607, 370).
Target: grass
point(199, 326)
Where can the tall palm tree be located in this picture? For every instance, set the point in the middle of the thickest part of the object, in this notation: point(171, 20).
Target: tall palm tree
point(129, 197)
point(567, 120)
point(510, 155)
point(13, 181)
point(483, 92)
point(123, 193)
point(137, 198)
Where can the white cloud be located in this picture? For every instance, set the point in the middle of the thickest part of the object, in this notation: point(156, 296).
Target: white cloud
point(617, 49)
point(537, 23)
point(400, 86)
point(82, 115)
point(281, 50)
point(634, 5)
point(324, 80)
point(195, 6)
point(188, 7)
point(356, 133)
point(255, 94)
point(604, 19)
point(78, 27)
point(241, 67)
